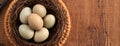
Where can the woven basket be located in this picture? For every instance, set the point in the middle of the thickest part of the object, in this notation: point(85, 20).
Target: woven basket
point(58, 34)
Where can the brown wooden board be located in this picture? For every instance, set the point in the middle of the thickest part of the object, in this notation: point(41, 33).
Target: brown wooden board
point(94, 23)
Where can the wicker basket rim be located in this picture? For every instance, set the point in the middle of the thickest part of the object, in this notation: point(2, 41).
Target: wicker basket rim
point(66, 31)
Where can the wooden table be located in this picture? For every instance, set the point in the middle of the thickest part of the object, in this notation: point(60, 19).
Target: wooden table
point(94, 23)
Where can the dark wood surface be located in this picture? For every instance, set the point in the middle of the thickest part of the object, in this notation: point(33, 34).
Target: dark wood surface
point(94, 23)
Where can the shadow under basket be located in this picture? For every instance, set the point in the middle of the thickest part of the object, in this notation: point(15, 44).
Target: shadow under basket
point(58, 34)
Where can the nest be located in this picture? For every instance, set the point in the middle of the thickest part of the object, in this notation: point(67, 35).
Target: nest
point(58, 34)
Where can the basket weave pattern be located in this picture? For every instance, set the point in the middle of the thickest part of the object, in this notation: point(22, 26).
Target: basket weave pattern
point(58, 34)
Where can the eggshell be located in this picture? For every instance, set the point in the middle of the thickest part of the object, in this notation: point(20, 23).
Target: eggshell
point(35, 21)
point(40, 10)
point(41, 35)
point(24, 14)
point(49, 21)
point(25, 31)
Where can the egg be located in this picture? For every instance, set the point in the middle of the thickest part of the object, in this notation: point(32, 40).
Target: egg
point(35, 21)
point(25, 31)
point(41, 35)
point(49, 21)
point(24, 14)
point(40, 10)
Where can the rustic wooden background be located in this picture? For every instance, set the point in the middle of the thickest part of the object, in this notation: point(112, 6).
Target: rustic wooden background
point(94, 23)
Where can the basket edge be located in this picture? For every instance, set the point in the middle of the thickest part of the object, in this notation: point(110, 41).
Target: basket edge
point(67, 31)
point(6, 19)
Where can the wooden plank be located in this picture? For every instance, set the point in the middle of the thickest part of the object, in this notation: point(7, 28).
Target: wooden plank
point(94, 23)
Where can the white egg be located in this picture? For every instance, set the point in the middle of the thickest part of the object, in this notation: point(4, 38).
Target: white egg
point(41, 35)
point(49, 21)
point(25, 31)
point(24, 14)
point(40, 10)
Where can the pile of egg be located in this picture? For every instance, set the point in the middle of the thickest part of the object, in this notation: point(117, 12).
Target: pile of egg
point(35, 23)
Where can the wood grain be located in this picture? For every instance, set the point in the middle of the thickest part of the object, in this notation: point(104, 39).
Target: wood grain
point(94, 23)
